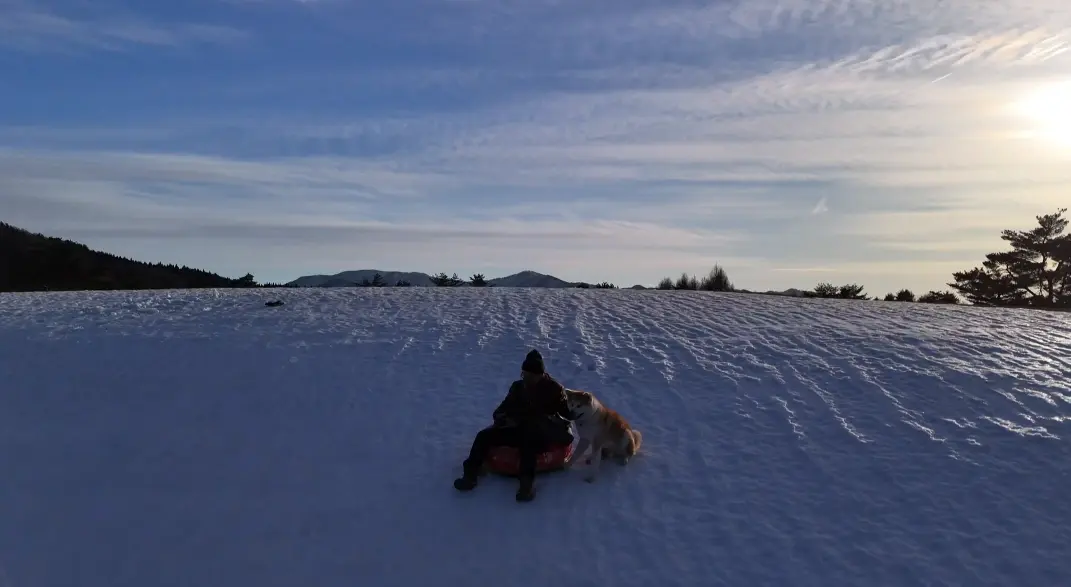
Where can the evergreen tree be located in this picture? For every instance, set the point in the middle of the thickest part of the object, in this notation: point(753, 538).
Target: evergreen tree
point(34, 262)
point(938, 297)
point(686, 282)
point(1036, 272)
point(905, 295)
point(716, 280)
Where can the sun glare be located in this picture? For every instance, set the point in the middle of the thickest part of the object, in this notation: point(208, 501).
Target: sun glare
point(1049, 108)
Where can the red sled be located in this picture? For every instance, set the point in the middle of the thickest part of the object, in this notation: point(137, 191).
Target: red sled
point(505, 460)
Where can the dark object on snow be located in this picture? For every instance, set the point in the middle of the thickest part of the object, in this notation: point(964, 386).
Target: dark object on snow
point(538, 402)
point(274, 303)
point(526, 492)
point(505, 460)
point(532, 420)
point(513, 451)
point(533, 363)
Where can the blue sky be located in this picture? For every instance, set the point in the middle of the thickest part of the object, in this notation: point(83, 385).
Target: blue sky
point(883, 142)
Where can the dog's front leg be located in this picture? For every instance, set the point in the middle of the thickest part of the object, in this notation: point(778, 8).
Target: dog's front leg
point(596, 460)
point(581, 446)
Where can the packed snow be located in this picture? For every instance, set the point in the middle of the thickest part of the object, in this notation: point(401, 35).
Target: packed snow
point(201, 438)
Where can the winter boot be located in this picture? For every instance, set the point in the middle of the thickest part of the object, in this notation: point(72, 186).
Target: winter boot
point(468, 480)
point(526, 492)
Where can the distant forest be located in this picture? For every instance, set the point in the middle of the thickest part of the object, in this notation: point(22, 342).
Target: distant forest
point(34, 262)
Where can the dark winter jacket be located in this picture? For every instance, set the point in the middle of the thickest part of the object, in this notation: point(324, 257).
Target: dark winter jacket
point(544, 406)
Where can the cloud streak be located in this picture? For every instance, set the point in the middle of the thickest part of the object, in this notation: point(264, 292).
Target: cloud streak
point(32, 28)
point(695, 131)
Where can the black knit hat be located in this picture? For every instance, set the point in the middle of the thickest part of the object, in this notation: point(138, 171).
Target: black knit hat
point(533, 363)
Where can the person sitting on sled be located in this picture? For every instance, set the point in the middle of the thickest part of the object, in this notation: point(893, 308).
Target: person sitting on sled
point(533, 416)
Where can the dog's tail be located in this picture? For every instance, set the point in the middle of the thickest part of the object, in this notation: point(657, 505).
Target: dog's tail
point(635, 441)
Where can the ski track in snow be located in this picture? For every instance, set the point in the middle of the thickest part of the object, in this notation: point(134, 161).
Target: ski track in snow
point(199, 438)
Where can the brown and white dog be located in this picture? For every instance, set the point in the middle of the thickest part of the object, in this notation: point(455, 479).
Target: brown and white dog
point(601, 429)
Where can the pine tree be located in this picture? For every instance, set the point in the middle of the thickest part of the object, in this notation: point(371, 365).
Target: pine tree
point(1036, 272)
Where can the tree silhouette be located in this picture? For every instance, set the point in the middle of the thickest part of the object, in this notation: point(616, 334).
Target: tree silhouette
point(939, 297)
point(930, 297)
point(825, 290)
point(1035, 273)
point(716, 280)
point(478, 280)
point(851, 292)
point(905, 295)
point(846, 292)
point(376, 281)
point(34, 262)
point(442, 280)
point(666, 283)
point(686, 282)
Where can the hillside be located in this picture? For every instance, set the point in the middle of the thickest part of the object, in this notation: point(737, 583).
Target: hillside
point(349, 278)
point(529, 279)
point(34, 262)
point(416, 278)
point(200, 438)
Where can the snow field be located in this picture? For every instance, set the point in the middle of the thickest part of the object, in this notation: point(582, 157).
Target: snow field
point(200, 438)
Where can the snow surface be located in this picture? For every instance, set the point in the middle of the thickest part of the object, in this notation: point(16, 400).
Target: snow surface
point(203, 439)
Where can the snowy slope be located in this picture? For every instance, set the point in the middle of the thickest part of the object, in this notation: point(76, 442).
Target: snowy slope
point(200, 438)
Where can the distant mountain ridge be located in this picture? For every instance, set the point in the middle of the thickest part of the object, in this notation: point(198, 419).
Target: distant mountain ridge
point(349, 278)
point(525, 278)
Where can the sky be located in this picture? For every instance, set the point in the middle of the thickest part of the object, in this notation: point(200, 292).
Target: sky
point(879, 142)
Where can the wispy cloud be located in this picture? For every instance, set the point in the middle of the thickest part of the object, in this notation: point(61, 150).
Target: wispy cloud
point(36, 28)
point(686, 131)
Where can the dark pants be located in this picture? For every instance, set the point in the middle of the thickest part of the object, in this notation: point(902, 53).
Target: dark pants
point(528, 440)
